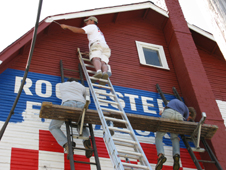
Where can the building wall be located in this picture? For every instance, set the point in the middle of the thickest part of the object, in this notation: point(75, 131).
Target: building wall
point(215, 68)
point(27, 143)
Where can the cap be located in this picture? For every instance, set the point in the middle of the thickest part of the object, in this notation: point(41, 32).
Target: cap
point(91, 18)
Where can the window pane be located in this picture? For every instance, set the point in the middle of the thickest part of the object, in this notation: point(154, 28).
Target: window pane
point(152, 57)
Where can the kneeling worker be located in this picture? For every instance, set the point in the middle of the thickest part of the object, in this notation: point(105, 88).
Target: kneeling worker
point(73, 94)
point(175, 110)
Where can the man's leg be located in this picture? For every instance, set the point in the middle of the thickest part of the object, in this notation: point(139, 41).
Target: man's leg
point(160, 150)
point(176, 150)
point(97, 63)
point(104, 67)
point(57, 133)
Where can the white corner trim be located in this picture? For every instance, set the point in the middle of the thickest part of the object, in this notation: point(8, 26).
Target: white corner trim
point(109, 10)
point(1, 61)
point(202, 32)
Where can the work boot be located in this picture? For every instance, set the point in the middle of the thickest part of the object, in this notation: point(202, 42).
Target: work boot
point(87, 145)
point(105, 77)
point(176, 164)
point(66, 148)
point(160, 163)
point(97, 75)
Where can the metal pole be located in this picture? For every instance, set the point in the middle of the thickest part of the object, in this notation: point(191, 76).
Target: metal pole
point(70, 150)
point(26, 71)
point(94, 147)
point(161, 94)
point(62, 71)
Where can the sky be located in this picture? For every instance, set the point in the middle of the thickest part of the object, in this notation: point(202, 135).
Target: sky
point(19, 16)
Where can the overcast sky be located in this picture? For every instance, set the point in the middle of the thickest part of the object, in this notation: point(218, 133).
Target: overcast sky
point(19, 16)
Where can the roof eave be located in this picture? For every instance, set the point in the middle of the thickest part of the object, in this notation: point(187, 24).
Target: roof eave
point(108, 10)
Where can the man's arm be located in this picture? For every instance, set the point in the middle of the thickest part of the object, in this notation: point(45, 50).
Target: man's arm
point(73, 29)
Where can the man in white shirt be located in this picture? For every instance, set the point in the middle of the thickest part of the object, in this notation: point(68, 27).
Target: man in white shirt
point(99, 50)
point(73, 94)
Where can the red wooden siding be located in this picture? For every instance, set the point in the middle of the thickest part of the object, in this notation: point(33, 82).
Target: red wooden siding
point(216, 72)
point(121, 36)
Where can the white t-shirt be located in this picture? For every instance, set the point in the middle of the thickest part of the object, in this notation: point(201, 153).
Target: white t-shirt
point(94, 34)
point(72, 91)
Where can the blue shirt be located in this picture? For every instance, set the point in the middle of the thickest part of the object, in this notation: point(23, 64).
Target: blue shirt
point(179, 106)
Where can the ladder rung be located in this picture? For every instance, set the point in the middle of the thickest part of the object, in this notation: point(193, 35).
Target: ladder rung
point(134, 165)
point(86, 59)
point(103, 80)
point(120, 130)
point(125, 141)
point(205, 161)
point(80, 137)
point(90, 71)
point(106, 94)
point(84, 53)
point(88, 65)
point(116, 120)
point(130, 153)
point(198, 150)
point(106, 101)
point(128, 156)
point(124, 144)
point(100, 86)
point(110, 110)
point(71, 70)
point(82, 162)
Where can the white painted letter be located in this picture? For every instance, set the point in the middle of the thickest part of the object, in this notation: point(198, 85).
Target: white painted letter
point(27, 85)
point(132, 101)
point(146, 105)
point(58, 91)
point(38, 88)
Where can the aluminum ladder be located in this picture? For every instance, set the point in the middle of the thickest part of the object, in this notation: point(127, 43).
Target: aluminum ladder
point(110, 141)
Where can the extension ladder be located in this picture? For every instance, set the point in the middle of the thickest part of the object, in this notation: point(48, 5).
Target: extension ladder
point(80, 125)
point(195, 137)
point(110, 141)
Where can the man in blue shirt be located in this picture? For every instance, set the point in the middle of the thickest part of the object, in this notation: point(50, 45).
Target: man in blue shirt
point(175, 110)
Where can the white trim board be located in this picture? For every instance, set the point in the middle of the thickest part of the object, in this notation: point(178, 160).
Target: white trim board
point(109, 10)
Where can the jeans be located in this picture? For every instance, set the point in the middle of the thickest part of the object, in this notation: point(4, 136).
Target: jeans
point(173, 115)
point(55, 125)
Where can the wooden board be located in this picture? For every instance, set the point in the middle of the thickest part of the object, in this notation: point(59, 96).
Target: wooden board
point(138, 122)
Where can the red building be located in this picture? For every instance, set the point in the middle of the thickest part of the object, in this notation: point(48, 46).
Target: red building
point(189, 59)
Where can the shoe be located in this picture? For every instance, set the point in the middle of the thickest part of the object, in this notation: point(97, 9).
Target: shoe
point(66, 148)
point(98, 75)
point(160, 163)
point(105, 77)
point(87, 145)
point(176, 164)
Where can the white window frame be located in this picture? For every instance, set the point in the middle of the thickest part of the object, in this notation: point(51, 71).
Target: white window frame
point(159, 48)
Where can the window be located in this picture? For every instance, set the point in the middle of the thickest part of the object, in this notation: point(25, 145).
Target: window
point(152, 55)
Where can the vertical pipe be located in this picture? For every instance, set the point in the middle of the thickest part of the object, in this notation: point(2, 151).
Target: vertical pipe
point(70, 154)
point(95, 147)
point(62, 71)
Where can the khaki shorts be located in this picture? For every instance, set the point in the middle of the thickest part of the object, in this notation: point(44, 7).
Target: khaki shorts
point(100, 50)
